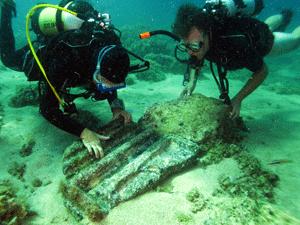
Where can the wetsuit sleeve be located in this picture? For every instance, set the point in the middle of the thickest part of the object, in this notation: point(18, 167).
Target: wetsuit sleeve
point(253, 61)
point(112, 96)
point(10, 57)
point(115, 102)
point(49, 105)
point(49, 108)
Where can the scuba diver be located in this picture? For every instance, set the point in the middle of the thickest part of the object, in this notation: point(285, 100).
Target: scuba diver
point(75, 51)
point(224, 33)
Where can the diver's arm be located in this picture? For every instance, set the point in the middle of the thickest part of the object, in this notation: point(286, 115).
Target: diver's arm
point(191, 85)
point(255, 81)
point(49, 108)
point(118, 108)
point(114, 101)
point(10, 57)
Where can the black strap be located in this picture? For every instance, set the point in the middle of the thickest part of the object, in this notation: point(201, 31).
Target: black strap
point(186, 75)
point(145, 65)
point(192, 63)
point(59, 22)
point(222, 83)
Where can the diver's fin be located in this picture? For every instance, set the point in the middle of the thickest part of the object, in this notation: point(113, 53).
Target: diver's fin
point(287, 15)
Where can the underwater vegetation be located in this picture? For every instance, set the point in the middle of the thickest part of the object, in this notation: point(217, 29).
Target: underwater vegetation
point(25, 96)
point(17, 169)
point(13, 209)
point(183, 218)
point(27, 148)
point(157, 45)
point(155, 74)
point(157, 50)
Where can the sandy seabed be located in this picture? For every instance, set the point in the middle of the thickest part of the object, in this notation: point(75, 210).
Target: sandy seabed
point(273, 120)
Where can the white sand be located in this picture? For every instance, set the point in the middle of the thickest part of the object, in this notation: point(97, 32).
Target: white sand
point(274, 123)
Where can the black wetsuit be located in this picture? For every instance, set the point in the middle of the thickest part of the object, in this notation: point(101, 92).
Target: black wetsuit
point(69, 60)
point(238, 43)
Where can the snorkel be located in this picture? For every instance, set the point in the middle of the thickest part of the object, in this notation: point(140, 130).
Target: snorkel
point(176, 38)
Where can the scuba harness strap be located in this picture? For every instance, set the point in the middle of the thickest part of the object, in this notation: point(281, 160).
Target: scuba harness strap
point(192, 63)
point(222, 82)
point(138, 67)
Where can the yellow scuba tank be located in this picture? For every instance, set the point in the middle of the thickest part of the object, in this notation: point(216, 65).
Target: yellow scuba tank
point(50, 21)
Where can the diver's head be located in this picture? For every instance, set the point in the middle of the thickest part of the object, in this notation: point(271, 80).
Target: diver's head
point(193, 26)
point(112, 68)
point(189, 16)
point(82, 7)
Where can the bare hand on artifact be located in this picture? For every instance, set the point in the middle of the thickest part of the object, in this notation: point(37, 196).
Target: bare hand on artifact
point(122, 113)
point(92, 141)
point(236, 108)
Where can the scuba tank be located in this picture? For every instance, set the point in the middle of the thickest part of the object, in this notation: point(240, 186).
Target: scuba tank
point(50, 21)
point(233, 7)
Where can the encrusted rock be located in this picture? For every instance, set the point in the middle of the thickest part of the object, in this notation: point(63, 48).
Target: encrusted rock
point(196, 118)
point(139, 156)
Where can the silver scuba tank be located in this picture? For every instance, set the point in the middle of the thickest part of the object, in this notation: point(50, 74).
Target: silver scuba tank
point(50, 21)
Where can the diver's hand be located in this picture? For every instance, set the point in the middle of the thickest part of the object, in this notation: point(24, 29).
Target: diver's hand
point(92, 141)
point(236, 108)
point(119, 112)
point(188, 89)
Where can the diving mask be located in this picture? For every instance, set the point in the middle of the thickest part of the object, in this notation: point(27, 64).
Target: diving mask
point(193, 46)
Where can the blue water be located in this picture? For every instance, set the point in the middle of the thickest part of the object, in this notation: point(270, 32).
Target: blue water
point(156, 13)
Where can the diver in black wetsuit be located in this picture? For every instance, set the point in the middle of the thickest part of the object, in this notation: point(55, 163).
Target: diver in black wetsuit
point(73, 58)
point(231, 43)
